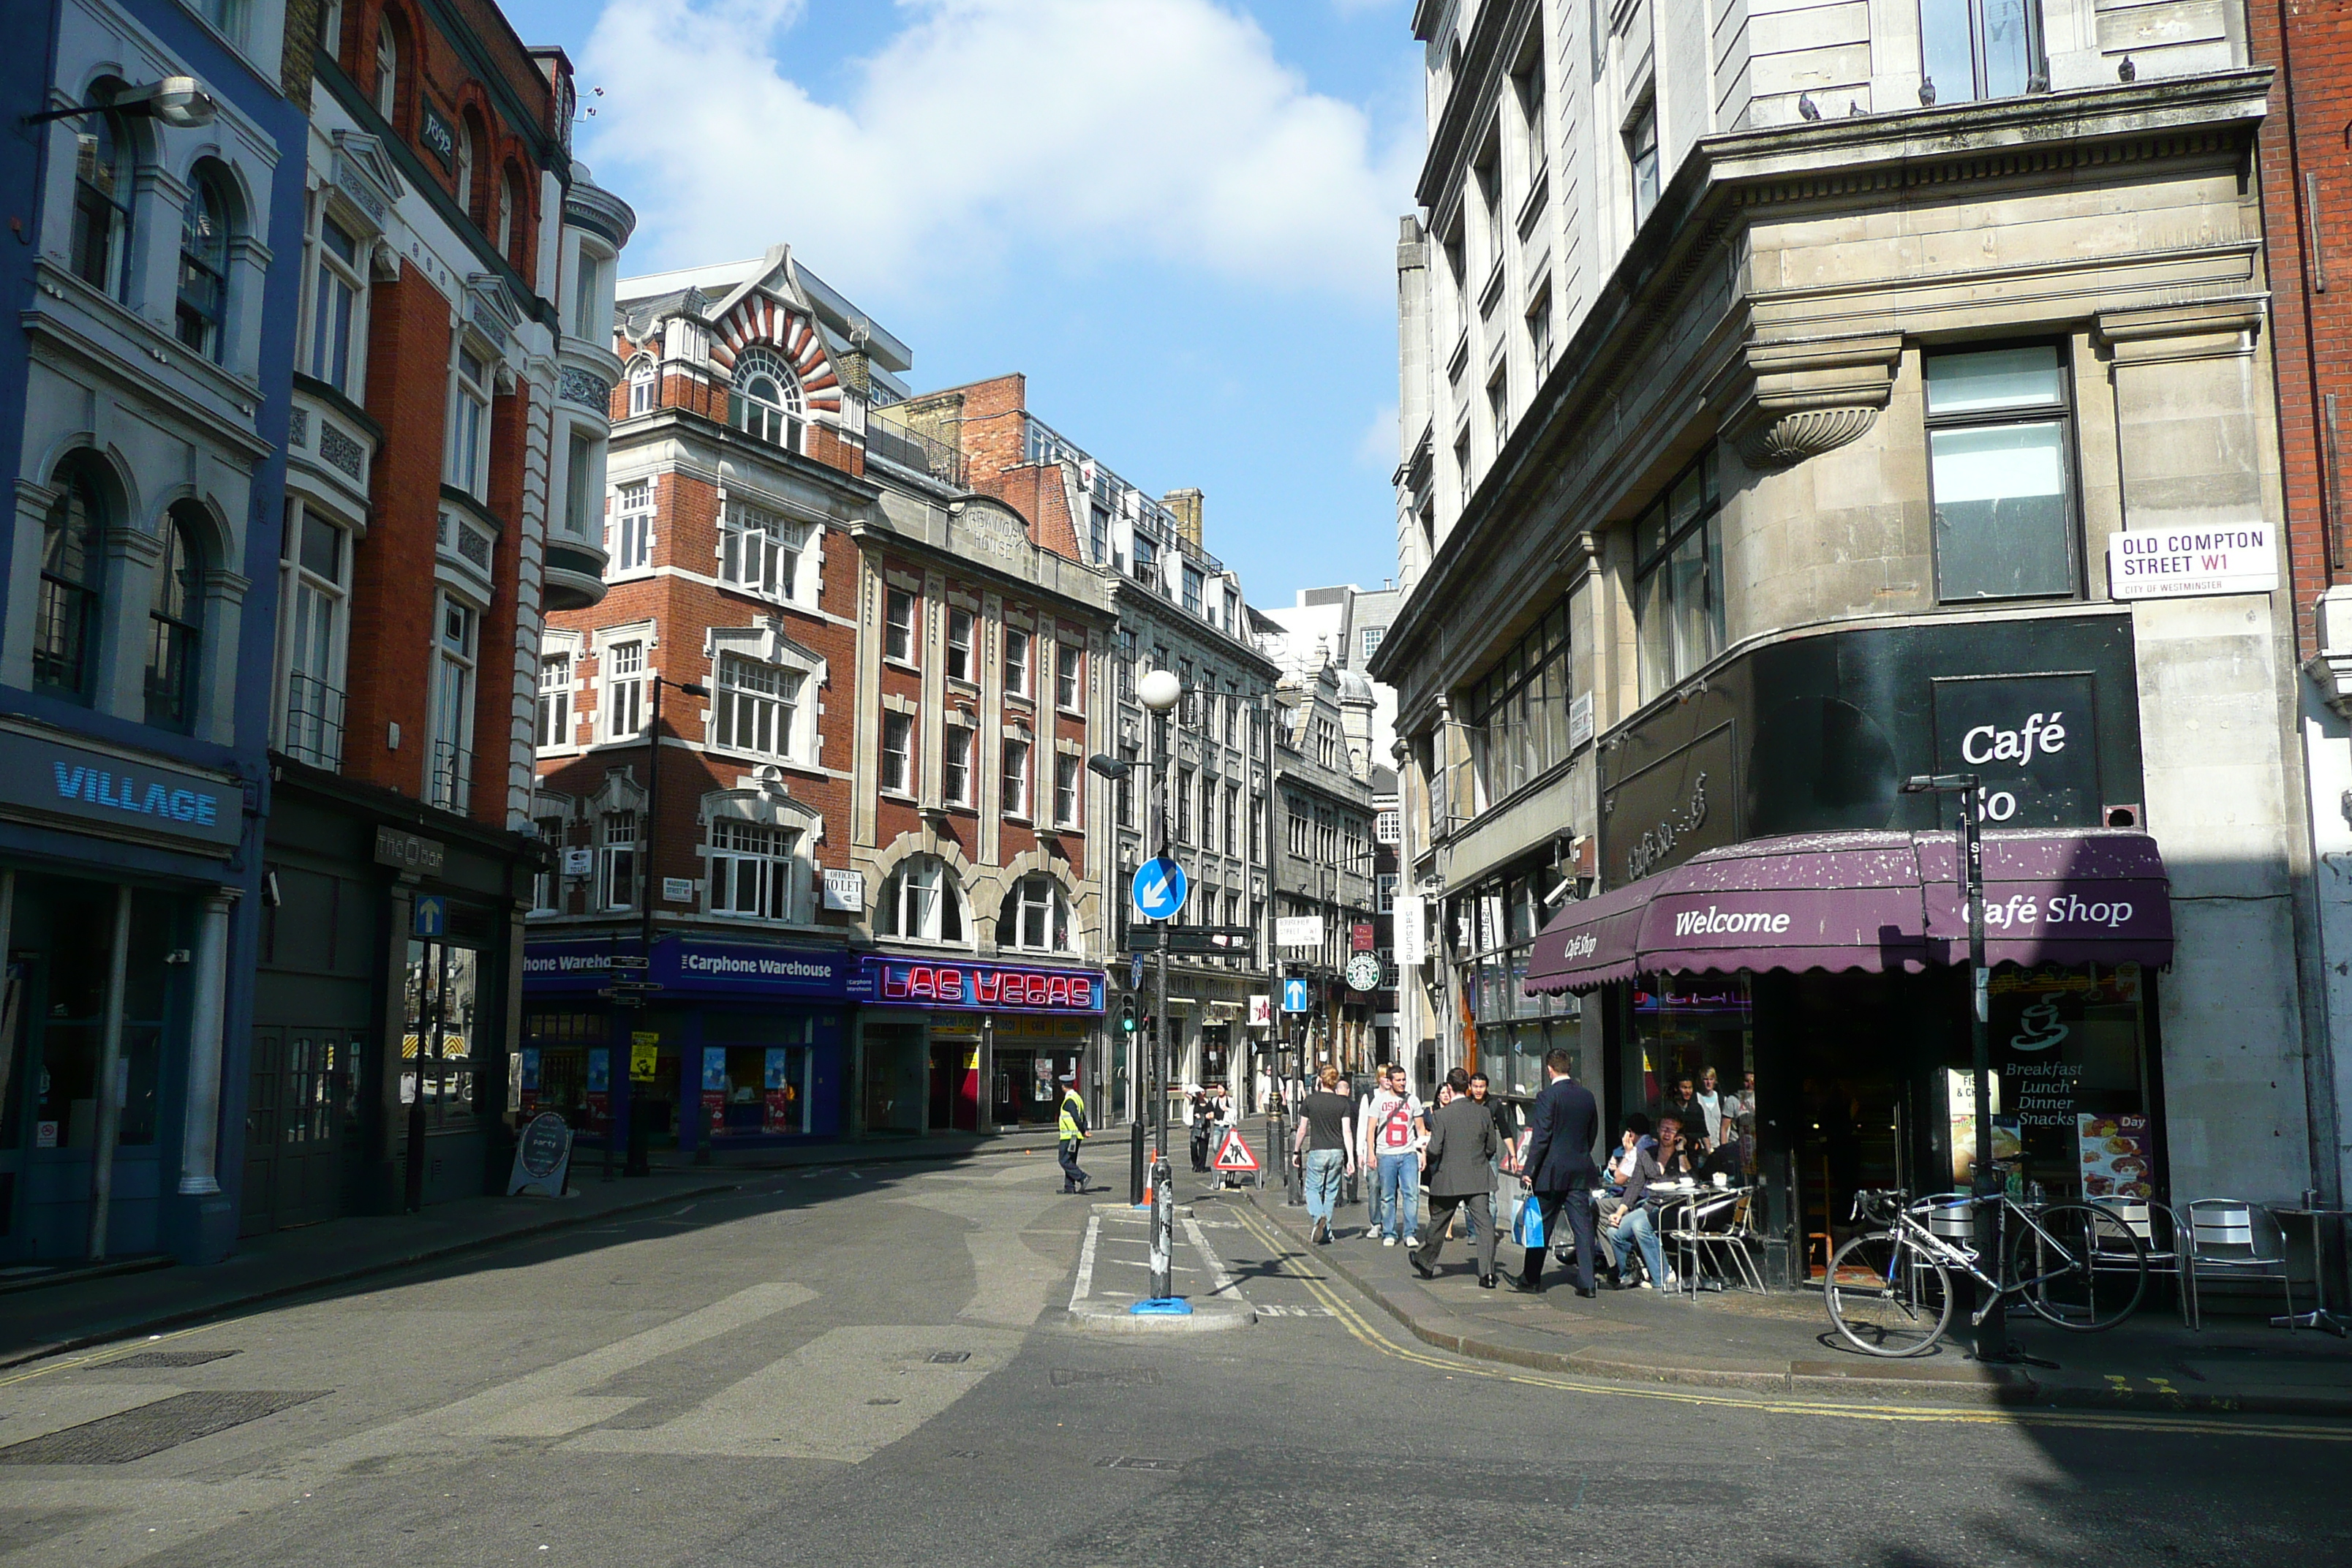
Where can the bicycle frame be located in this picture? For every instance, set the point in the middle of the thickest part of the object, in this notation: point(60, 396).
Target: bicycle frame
point(1908, 1232)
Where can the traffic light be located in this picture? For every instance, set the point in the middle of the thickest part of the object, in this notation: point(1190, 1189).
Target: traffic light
point(1127, 1014)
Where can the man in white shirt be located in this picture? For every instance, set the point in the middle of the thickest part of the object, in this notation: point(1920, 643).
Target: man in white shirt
point(1397, 1131)
point(1711, 1105)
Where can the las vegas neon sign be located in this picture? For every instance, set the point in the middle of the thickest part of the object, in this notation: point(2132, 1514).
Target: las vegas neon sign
point(980, 986)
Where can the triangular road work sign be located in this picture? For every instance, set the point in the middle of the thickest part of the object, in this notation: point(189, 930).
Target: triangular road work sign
point(1233, 1154)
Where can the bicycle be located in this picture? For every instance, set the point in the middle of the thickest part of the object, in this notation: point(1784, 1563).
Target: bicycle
point(2077, 1266)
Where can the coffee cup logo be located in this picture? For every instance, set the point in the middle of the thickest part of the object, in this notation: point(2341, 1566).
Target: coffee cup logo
point(2038, 1028)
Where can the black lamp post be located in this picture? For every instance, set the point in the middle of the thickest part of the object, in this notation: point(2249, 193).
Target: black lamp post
point(636, 996)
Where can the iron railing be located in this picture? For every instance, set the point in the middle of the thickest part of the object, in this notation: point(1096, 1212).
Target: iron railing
point(313, 729)
point(451, 783)
point(889, 437)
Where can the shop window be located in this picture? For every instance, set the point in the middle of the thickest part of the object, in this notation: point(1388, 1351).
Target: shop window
point(757, 706)
point(65, 637)
point(631, 545)
point(202, 301)
point(317, 593)
point(1016, 662)
point(1998, 474)
point(1678, 580)
point(750, 869)
point(756, 1089)
point(176, 628)
point(1066, 794)
point(898, 625)
point(959, 630)
point(555, 699)
point(338, 292)
point(760, 552)
point(1016, 779)
point(439, 1047)
point(898, 753)
point(1035, 917)
point(1516, 717)
point(62, 1020)
point(766, 402)
point(1068, 688)
point(1971, 50)
point(921, 901)
point(955, 766)
point(617, 860)
point(105, 177)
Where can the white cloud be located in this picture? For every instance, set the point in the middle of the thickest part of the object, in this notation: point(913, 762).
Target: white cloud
point(1097, 130)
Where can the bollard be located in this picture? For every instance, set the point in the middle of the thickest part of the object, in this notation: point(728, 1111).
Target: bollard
point(1135, 1164)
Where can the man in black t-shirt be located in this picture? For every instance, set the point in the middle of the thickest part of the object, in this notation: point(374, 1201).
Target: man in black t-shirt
point(1325, 1142)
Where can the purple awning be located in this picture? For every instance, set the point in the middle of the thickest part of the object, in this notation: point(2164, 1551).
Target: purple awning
point(1868, 901)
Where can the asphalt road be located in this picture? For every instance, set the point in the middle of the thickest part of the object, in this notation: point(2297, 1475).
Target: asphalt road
point(869, 1367)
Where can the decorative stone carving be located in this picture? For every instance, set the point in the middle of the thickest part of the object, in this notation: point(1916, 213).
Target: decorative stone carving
point(575, 385)
point(1789, 440)
point(1782, 402)
point(341, 452)
point(298, 428)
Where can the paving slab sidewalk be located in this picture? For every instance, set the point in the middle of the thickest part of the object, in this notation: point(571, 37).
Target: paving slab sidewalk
point(1782, 1343)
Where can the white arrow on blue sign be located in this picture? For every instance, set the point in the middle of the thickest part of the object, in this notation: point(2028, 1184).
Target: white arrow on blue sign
point(1159, 889)
point(1294, 997)
point(432, 917)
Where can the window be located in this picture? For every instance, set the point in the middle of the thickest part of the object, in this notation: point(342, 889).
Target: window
point(1970, 49)
point(921, 902)
point(590, 320)
point(466, 459)
point(316, 593)
point(1098, 534)
point(1257, 830)
point(1516, 717)
point(1193, 583)
point(512, 217)
point(645, 386)
point(331, 26)
point(1184, 805)
point(898, 625)
point(387, 69)
point(1498, 406)
point(1035, 917)
point(579, 481)
point(1372, 641)
point(759, 552)
point(1388, 826)
point(1540, 334)
point(103, 190)
point(204, 266)
point(547, 886)
point(465, 145)
point(766, 402)
point(555, 699)
point(1016, 662)
point(1678, 581)
point(1016, 778)
point(1147, 562)
point(1997, 459)
point(1233, 718)
point(1301, 839)
point(960, 625)
point(617, 860)
point(1125, 788)
point(955, 766)
point(624, 691)
point(1233, 819)
point(899, 753)
point(1462, 466)
point(758, 706)
point(64, 650)
point(1490, 191)
point(451, 761)
point(1067, 774)
point(1641, 157)
point(336, 291)
point(1384, 900)
point(1068, 690)
point(750, 869)
point(174, 629)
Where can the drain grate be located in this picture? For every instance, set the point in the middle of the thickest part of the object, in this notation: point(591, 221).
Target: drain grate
point(1116, 1377)
point(165, 1358)
point(948, 1358)
point(152, 1428)
point(1131, 1462)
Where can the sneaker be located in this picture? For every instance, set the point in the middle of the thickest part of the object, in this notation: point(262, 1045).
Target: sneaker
point(1388, 1241)
point(1412, 1240)
point(1671, 1280)
point(1320, 1233)
point(1643, 1284)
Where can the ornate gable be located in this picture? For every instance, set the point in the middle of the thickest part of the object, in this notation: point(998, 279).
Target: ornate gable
point(759, 319)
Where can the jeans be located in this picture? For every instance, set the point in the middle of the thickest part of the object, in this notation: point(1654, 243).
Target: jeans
point(1637, 1229)
point(1371, 1184)
point(1322, 1178)
point(1400, 1190)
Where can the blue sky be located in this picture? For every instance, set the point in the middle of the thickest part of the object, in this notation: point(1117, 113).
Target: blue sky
point(1177, 217)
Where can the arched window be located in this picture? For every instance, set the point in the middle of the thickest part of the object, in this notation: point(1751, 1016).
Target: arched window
point(465, 145)
point(387, 68)
point(766, 402)
point(921, 901)
point(174, 628)
point(103, 167)
point(1035, 917)
point(64, 654)
point(643, 385)
point(512, 216)
point(204, 265)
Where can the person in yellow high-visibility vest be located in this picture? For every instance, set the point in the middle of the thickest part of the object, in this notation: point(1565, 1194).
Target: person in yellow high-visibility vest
point(1071, 1132)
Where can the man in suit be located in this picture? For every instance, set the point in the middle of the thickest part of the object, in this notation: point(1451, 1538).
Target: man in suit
point(1563, 1124)
point(1460, 1170)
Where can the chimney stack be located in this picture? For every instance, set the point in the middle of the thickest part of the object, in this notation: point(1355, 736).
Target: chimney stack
point(1186, 506)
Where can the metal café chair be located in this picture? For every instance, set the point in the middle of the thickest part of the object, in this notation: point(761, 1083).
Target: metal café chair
point(2159, 1231)
point(1736, 1239)
point(2228, 1236)
point(1694, 1240)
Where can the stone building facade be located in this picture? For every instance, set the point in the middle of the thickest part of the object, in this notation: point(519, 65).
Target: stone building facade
point(1772, 397)
point(1325, 867)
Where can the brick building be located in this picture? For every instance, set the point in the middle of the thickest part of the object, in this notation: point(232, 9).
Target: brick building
point(867, 848)
point(452, 384)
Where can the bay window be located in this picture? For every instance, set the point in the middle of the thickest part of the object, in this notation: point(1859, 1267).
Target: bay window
point(203, 302)
point(1678, 580)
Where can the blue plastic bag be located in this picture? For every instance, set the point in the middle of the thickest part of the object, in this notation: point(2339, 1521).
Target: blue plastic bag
point(1527, 1230)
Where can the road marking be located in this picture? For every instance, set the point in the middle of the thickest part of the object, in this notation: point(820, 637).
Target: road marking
point(1363, 1331)
point(1219, 1282)
point(1086, 1262)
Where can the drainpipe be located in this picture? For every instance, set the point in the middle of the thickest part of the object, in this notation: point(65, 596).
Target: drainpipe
point(200, 1140)
point(109, 1066)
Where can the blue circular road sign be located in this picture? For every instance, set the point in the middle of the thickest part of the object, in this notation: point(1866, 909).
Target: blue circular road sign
point(1159, 889)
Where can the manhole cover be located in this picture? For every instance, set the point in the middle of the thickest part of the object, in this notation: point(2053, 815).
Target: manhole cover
point(948, 1358)
point(1131, 1462)
point(152, 1428)
point(1116, 1377)
point(165, 1358)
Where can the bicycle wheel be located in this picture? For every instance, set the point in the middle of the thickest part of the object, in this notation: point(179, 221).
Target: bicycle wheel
point(1887, 1299)
point(2078, 1265)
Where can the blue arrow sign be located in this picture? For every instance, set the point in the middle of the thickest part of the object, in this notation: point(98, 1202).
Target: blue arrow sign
point(1294, 997)
point(1159, 889)
point(1135, 973)
point(432, 916)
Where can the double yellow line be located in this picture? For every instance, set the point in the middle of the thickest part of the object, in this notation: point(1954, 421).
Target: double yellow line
point(1284, 1256)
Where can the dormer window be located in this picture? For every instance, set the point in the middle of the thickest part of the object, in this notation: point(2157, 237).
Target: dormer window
point(766, 402)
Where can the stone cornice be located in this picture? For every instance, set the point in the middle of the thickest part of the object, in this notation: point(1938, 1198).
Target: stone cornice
point(1782, 402)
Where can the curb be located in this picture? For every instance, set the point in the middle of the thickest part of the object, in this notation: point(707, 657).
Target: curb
point(166, 1319)
point(1110, 1315)
point(2005, 1387)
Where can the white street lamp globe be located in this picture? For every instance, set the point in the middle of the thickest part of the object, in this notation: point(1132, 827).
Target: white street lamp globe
point(1159, 691)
